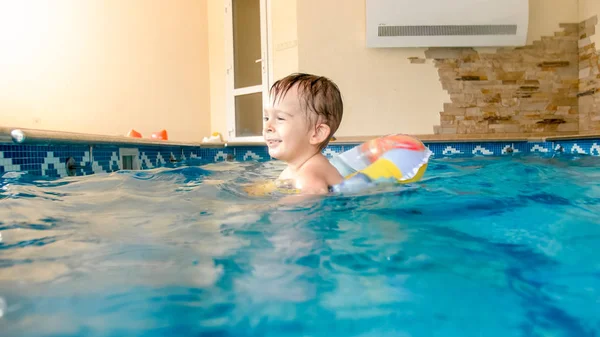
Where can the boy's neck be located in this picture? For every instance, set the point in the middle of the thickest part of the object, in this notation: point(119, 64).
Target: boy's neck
point(299, 162)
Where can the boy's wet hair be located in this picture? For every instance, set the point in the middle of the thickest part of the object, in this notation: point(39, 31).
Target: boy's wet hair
point(317, 94)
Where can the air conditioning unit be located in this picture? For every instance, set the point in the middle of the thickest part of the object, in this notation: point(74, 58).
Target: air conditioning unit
point(446, 23)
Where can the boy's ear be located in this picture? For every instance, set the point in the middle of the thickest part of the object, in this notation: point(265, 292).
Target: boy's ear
point(320, 134)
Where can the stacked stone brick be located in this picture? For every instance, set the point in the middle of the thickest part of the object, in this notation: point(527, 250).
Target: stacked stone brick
point(551, 86)
point(589, 79)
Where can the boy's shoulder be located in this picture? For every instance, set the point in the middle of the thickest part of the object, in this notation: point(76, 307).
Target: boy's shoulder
point(319, 174)
point(318, 163)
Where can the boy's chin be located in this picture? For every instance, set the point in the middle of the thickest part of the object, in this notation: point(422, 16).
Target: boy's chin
point(275, 154)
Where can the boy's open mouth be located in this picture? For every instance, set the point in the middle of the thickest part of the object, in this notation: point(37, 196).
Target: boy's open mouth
point(273, 142)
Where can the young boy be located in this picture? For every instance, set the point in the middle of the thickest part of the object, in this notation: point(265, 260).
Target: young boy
point(304, 113)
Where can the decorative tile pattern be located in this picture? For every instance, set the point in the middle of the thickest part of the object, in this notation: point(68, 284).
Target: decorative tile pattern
point(43, 160)
point(107, 158)
point(6, 164)
point(52, 166)
point(329, 153)
point(221, 156)
point(595, 149)
point(508, 149)
point(449, 150)
point(540, 147)
point(522, 147)
point(477, 149)
point(251, 153)
point(158, 156)
point(51, 160)
point(331, 150)
point(583, 146)
point(216, 154)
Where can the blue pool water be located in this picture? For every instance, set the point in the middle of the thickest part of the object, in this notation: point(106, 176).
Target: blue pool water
point(481, 247)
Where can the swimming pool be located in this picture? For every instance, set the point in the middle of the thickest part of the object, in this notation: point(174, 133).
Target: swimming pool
point(484, 246)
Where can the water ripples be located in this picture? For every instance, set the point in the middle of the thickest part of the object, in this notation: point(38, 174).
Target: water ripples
point(502, 246)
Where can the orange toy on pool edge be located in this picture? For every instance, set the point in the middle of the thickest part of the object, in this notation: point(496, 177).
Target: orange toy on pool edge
point(134, 134)
point(162, 135)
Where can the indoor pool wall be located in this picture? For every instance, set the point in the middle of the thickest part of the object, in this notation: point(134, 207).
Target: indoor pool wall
point(50, 160)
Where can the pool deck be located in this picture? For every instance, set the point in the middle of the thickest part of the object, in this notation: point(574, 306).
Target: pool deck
point(53, 137)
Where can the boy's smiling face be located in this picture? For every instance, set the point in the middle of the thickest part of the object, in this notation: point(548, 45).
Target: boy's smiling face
point(286, 129)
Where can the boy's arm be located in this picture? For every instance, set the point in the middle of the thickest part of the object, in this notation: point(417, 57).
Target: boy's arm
point(313, 183)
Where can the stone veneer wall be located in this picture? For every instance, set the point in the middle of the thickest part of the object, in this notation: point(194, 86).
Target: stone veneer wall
point(589, 78)
point(551, 86)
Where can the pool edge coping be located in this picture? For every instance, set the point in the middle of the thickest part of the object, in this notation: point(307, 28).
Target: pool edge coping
point(37, 136)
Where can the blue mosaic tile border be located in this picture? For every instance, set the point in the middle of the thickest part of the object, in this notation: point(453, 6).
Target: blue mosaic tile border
point(467, 149)
point(153, 156)
point(539, 147)
point(216, 154)
point(51, 160)
point(251, 153)
point(584, 146)
point(47, 161)
point(107, 158)
point(462, 149)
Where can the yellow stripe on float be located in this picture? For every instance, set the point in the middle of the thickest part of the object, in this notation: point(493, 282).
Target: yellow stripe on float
point(382, 169)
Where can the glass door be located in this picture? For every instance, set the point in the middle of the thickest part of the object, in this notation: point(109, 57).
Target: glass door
point(247, 68)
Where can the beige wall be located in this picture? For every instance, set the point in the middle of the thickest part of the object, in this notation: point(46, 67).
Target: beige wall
point(383, 92)
point(105, 66)
point(216, 61)
point(587, 9)
point(284, 37)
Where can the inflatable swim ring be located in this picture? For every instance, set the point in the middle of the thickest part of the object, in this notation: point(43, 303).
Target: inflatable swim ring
point(394, 158)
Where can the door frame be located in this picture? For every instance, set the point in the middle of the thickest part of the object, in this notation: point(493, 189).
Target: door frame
point(267, 68)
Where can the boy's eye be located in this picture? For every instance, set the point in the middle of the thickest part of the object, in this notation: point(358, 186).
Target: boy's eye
point(280, 119)
point(265, 119)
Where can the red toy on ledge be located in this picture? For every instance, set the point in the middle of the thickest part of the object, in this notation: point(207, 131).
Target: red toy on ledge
point(160, 135)
point(134, 134)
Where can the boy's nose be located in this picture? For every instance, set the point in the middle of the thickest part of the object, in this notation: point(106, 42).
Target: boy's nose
point(267, 127)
